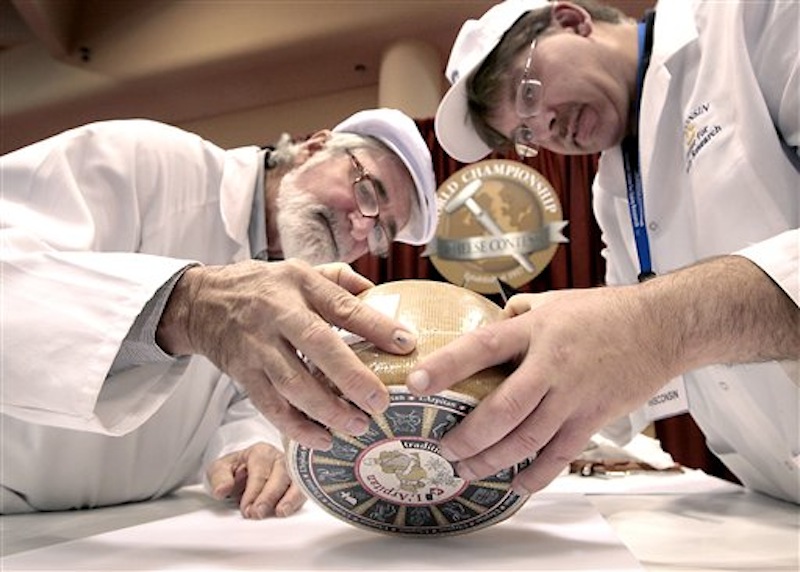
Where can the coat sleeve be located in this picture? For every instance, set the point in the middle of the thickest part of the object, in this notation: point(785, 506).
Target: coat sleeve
point(779, 257)
point(778, 72)
point(776, 64)
point(75, 213)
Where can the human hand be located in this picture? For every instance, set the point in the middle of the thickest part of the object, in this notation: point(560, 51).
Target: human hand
point(583, 358)
point(250, 319)
point(256, 478)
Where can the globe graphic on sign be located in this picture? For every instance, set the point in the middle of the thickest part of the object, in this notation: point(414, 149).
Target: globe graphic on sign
point(512, 209)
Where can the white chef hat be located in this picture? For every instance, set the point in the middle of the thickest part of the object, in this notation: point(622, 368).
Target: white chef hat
point(399, 132)
point(475, 41)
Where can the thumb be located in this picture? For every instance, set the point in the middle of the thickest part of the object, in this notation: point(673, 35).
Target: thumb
point(343, 275)
point(220, 478)
point(521, 303)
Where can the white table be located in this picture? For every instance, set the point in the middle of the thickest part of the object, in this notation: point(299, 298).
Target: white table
point(643, 522)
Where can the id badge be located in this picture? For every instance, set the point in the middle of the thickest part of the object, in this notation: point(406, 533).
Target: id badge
point(671, 400)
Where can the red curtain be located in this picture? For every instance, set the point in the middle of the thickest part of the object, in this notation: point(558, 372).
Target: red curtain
point(577, 264)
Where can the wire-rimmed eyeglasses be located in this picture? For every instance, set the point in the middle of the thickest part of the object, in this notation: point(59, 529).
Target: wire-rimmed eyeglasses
point(365, 189)
point(528, 103)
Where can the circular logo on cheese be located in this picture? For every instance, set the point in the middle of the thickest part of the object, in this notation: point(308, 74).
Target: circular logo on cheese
point(392, 479)
point(409, 471)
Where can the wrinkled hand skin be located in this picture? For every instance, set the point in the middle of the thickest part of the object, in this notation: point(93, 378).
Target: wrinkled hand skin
point(576, 370)
point(251, 318)
point(258, 481)
point(584, 358)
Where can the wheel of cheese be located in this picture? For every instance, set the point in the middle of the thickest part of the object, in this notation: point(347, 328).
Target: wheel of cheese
point(392, 479)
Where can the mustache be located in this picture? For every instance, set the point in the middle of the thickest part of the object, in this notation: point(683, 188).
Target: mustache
point(307, 230)
point(567, 121)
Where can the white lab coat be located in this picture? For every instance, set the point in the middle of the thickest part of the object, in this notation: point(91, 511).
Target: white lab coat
point(719, 135)
point(93, 222)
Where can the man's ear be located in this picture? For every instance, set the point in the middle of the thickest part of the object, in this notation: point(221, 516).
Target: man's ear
point(311, 145)
point(570, 16)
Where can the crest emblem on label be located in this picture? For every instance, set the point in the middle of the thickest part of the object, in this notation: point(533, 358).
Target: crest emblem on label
point(499, 220)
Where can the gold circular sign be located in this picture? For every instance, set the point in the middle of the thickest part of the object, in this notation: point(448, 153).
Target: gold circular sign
point(499, 221)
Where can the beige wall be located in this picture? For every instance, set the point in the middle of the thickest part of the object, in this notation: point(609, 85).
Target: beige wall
point(410, 79)
point(263, 126)
point(238, 72)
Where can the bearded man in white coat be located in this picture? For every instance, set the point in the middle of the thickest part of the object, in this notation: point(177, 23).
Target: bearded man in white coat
point(145, 334)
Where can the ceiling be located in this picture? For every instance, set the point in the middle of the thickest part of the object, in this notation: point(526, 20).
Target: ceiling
point(65, 62)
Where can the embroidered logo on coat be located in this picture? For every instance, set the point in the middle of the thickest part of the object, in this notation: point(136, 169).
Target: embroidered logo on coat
point(699, 130)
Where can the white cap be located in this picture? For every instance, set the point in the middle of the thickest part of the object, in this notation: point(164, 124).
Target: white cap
point(399, 132)
point(475, 41)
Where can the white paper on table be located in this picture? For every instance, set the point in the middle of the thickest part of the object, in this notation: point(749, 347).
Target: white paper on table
point(641, 448)
point(688, 481)
point(550, 532)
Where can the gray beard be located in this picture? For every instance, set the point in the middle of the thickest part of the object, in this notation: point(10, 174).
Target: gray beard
point(304, 228)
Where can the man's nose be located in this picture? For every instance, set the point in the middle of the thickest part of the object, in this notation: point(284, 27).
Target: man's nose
point(361, 225)
point(543, 125)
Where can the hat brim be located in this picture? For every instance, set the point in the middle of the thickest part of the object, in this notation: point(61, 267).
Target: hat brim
point(454, 128)
point(475, 41)
point(419, 229)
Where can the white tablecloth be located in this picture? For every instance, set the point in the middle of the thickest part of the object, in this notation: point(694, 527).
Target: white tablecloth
point(684, 522)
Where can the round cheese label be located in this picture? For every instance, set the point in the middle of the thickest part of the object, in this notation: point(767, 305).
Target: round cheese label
point(392, 479)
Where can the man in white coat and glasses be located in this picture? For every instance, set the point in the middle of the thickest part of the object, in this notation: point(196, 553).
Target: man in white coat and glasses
point(696, 113)
point(159, 297)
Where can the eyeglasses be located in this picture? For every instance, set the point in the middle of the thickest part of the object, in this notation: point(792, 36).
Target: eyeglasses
point(365, 189)
point(527, 104)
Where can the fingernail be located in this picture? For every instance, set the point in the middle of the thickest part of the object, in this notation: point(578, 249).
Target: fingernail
point(404, 339)
point(418, 381)
point(322, 443)
point(377, 403)
point(465, 473)
point(447, 453)
point(520, 490)
point(285, 509)
point(261, 511)
point(357, 426)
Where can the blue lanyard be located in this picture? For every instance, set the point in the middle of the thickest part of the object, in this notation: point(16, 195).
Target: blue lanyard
point(630, 159)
